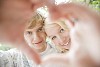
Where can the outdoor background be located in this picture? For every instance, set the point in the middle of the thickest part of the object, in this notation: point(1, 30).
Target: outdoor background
point(95, 4)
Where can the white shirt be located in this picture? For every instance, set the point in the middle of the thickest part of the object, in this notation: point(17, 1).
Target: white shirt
point(15, 58)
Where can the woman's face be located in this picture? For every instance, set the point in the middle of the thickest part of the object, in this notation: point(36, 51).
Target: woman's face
point(59, 36)
point(36, 37)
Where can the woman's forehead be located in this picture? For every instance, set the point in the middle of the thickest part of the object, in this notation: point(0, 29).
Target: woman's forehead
point(53, 25)
point(54, 28)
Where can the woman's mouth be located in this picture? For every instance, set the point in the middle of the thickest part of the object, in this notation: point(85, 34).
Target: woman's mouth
point(68, 42)
point(67, 45)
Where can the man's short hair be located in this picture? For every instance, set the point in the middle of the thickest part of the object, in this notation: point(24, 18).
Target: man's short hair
point(37, 18)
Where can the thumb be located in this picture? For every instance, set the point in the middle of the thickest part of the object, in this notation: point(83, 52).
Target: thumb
point(31, 53)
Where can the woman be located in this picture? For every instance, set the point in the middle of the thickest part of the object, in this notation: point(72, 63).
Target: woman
point(84, 33)
point(59, 35)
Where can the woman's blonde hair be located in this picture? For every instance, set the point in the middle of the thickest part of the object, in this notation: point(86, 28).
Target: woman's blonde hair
point(64, 26)
point(59, 22)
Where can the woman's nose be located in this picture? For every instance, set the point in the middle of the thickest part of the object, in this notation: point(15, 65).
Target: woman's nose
point(61, 40)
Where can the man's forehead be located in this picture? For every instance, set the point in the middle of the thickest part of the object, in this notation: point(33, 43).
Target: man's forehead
point(39, 23)
point(37, 26)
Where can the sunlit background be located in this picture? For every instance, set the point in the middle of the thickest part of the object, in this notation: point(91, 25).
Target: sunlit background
point(95, 4)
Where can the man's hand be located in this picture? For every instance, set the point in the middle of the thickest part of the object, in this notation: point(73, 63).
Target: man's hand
point(14, 14)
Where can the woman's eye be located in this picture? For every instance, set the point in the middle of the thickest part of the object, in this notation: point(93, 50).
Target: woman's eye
point(29, 32)
point(62, 30)
point(53, 37)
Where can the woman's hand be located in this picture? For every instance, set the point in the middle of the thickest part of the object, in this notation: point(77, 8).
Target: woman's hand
point(85, 35)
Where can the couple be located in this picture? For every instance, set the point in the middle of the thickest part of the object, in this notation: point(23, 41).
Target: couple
point(36, 32)
point(85, 31)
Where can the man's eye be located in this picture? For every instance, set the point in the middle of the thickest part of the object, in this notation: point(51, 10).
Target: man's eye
point(62, 30)
point(53, 37)
point(29, 32)
point(41, 29)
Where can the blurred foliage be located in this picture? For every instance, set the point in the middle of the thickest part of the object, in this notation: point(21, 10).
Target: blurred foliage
point(95, 4)
point(4, 47)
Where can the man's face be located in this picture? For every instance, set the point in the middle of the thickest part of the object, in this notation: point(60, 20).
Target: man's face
point(59, 36)
point(36, 37)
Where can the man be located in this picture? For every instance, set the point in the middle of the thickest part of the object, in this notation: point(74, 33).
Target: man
point(35, 37)
point(13, 17)
point(59, 12)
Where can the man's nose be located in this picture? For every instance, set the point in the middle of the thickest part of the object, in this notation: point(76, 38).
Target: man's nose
point(35, 38)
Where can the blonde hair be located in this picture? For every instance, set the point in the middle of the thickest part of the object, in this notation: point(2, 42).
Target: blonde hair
point(36, 18)
point(64, 26)
point(60, 23)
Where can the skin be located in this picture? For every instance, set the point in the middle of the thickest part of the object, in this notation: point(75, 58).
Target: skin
point(85, 36)
point(36, 37)
point(9, 33)
point(13, 17)
point(59, 36)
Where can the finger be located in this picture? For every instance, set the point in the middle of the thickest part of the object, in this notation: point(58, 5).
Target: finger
point(70, 9)
point(31, 53)
point(20, 43)
point(55, 61)
point(13, 34)
point(41, 3)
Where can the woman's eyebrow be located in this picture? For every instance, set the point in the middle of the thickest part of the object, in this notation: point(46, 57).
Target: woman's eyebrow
point(50, 36)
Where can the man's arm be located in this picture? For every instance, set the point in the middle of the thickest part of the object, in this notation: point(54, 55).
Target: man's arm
point(14, 15)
